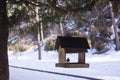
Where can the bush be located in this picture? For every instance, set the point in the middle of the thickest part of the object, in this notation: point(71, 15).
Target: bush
point(10, 47)
point(100, 44)
point(50, 44)
point(75, 33)
point(23, 48)
point(17, 47)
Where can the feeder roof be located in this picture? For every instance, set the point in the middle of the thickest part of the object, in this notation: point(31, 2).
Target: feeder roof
point(71, 42)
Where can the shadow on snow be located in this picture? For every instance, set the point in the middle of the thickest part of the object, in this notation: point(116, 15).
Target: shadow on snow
point(56, 73)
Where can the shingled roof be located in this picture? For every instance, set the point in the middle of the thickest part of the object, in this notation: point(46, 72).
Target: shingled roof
point(71, 42)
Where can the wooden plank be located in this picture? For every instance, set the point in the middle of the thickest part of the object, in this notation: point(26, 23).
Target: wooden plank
point(81, 58)
point(72, 65)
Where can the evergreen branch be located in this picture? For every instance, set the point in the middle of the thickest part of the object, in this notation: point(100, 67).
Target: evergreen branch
point(76, 10)
point(53, 6)
point(32, 2)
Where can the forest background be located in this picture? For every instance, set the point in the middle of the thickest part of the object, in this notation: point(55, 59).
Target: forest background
point(97, 20)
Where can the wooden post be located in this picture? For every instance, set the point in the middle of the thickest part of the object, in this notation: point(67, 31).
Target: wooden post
point(62, 55)
point(81, 58)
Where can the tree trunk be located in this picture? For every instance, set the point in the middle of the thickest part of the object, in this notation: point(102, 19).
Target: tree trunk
point(38, 36)
point(61, 29)
point(114, 26)
point(4, 68)
point(115, 8)
point(41, 31)
point(39, 48)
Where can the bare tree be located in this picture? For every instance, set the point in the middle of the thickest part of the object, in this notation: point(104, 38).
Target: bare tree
point(117, 42)
point(38, 36)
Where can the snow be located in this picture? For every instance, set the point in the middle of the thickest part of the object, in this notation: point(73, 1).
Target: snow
point(26, 66)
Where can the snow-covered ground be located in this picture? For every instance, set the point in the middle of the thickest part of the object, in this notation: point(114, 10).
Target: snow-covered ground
point(27, 66)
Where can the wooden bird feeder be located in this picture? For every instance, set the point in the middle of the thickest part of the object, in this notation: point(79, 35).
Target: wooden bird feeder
point(65, 45)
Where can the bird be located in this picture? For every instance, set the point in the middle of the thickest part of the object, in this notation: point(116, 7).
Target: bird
point(68, 60)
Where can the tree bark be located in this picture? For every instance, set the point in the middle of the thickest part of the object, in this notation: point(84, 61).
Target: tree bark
point(4, 68)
